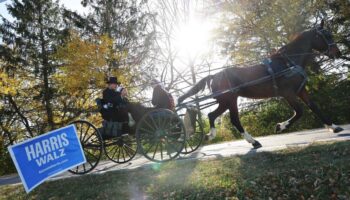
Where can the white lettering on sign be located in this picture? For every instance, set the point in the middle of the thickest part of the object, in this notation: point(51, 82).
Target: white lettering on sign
point(47, 150)
point(50, 157)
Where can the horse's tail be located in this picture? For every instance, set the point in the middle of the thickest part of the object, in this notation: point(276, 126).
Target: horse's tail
point(196, 88)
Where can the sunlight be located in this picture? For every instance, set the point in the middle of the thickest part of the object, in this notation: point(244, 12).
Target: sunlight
point(192, 38)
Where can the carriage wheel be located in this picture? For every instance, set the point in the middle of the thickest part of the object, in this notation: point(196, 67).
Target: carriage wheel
point(193, 141)
point(121, 149)
point(160, 135)
point(92, 145)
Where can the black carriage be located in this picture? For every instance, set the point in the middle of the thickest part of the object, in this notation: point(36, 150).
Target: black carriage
point(160, 136)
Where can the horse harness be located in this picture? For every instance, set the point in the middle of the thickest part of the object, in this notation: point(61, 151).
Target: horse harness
point(292, 69)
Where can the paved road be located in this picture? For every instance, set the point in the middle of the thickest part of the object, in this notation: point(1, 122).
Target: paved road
point(240, 147)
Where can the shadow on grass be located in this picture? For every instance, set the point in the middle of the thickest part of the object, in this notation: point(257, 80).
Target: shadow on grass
point(319, 171)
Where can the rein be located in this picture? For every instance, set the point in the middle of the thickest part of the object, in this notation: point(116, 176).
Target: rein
point(329, 44)
point(295, 69)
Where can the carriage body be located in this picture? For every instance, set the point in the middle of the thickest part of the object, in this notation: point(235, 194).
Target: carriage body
point(160, 136)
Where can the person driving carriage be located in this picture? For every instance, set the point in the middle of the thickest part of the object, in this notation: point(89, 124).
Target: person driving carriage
point(114, 103)
point(113, 98)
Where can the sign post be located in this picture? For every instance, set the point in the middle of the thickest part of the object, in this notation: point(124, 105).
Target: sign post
point(47, 155)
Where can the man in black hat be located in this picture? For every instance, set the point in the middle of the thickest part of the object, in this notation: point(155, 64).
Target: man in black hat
point(113, 100)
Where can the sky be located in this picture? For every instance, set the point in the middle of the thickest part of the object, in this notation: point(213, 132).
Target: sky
point(73, 5)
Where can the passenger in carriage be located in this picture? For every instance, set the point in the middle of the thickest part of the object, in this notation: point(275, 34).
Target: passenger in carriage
point(161, 98)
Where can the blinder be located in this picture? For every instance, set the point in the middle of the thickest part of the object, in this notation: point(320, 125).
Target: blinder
point(327, 38)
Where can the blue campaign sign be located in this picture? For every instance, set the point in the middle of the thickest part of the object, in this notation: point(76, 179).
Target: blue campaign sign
point(49, 154)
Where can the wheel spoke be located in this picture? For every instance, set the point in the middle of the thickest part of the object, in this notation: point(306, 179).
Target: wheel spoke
point(152, 144)
point(189, 145)
point(123, 154)
point(86, 132)
point(154, 123)
point(126, 152)
point(149, 125)
point(92, 166)
point(173, 126)
point(114, 151)
point(88, 138)
point(155, 151)
point(130, 149)
point(161, 151)
point(118, 157)
point(91, 154)
point(148, 131)
point(81, 132)
point(84, 167)
point(172, 146)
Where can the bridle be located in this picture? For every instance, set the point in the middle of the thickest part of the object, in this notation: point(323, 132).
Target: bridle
point(330, 44)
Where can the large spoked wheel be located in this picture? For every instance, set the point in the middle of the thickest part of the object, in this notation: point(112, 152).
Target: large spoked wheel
point(121, 149)
point(194, 138)
point(92, 145)
point(160, 135)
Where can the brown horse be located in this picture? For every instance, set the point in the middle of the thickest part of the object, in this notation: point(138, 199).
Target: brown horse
point(281, 75)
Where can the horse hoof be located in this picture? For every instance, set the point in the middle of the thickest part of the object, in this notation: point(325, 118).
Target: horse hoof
point(278, 128)
point(257, 145)
point(337, 129)
point(209, 137)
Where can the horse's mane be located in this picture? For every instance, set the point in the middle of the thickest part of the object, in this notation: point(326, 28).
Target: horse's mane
point(293, 39)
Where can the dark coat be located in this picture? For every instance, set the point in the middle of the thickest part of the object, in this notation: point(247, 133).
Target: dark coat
point(162, 99)
point(115, 104)
point(113, 97)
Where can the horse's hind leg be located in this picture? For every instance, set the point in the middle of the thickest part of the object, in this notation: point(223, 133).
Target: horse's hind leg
point(305, 97)
point(298, 112)
point(212, 116)
point(235, 121)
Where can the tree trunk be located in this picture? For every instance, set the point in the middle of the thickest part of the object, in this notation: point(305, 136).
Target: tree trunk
point(45, 71)
point(23, 118)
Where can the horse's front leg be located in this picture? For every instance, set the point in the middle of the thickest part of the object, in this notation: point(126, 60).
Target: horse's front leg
point(236, 122)
point(212, 116)
point(326, 121)
point(298, 112)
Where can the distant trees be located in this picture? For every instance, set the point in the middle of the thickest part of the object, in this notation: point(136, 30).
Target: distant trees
point(54, 62)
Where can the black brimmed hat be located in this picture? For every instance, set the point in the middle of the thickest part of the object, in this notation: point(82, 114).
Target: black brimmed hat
point(113, 79)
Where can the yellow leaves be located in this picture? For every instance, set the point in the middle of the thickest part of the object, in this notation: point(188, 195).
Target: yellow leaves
point(85, 63)
point(7, 84)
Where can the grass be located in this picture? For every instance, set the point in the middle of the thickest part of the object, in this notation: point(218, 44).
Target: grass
point(320, 171)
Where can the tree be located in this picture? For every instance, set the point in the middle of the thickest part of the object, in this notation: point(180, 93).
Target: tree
point(82, 74)
point(130, 27)
point(29, 43)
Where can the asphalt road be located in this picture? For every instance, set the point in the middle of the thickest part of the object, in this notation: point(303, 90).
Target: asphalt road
point(239, 147)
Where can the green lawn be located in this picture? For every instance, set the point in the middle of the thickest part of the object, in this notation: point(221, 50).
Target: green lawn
point(320, 171)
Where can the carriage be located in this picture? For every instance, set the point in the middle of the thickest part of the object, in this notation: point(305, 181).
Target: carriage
point(160, 135)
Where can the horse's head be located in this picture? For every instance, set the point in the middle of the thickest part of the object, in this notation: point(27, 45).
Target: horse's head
point(323, 42)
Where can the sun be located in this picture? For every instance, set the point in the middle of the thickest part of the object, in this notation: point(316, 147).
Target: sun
point(192, 38)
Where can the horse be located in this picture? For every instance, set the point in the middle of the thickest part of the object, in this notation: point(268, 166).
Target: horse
point(292, 57)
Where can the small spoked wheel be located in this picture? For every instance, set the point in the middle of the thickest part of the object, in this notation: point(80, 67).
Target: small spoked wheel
point(160, 135)
point(92, 145)
point(121, 149)
point(194, 138)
